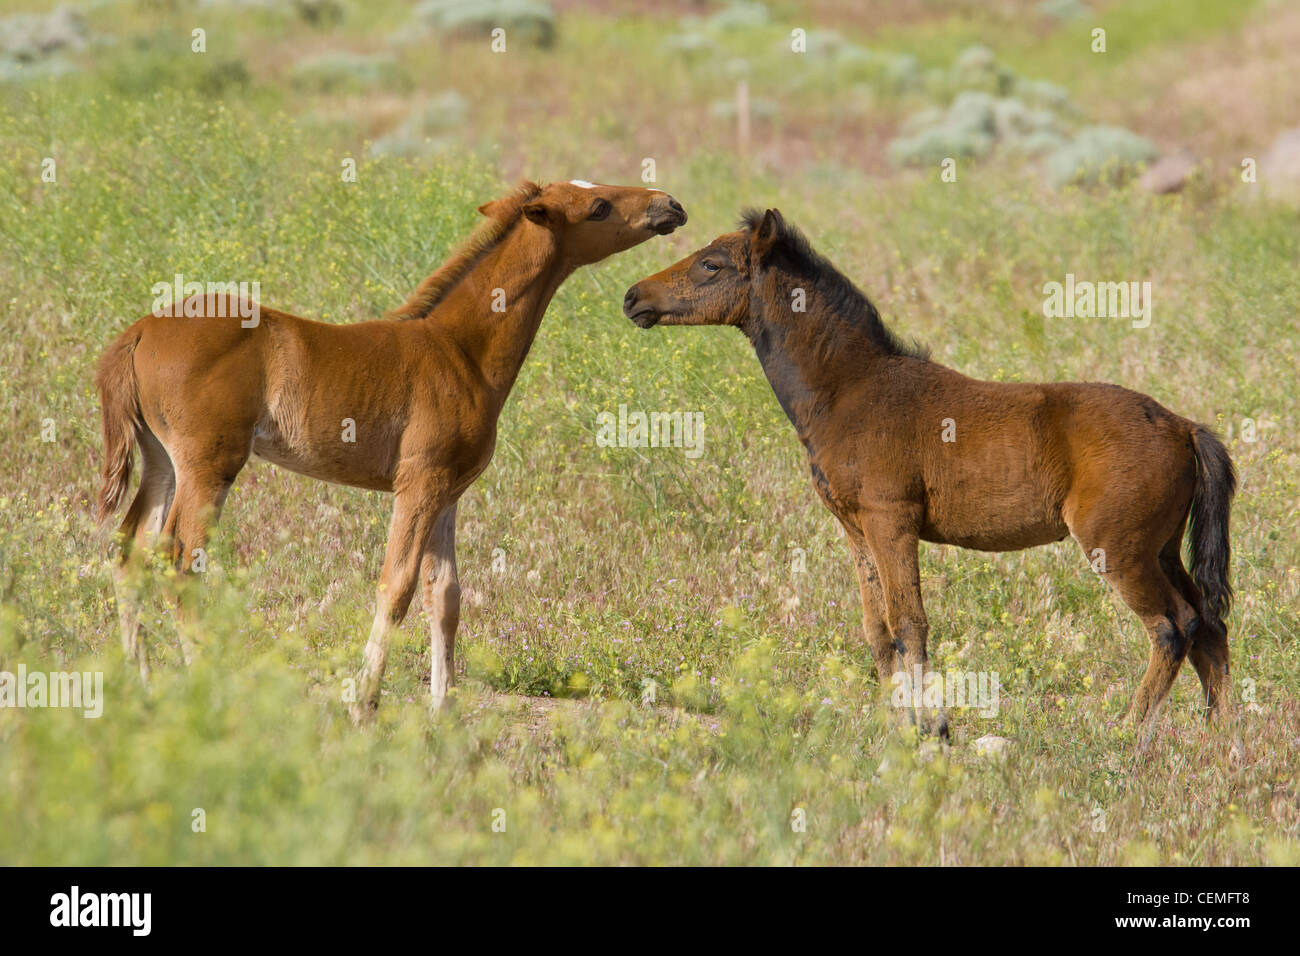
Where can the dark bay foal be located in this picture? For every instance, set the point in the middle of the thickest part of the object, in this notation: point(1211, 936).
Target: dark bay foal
point(904, 450)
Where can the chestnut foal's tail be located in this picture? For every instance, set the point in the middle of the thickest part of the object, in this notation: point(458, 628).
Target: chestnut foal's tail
point(1216, 481)
point(119, 400)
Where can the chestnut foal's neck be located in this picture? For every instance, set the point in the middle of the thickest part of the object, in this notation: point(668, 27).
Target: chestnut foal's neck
point(519, 276)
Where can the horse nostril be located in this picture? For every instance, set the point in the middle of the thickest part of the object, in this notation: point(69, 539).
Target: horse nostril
point(674, 205)
point(629, 300)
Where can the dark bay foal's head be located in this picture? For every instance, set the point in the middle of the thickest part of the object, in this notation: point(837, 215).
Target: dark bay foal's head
point(710, 286)
point(763, 276)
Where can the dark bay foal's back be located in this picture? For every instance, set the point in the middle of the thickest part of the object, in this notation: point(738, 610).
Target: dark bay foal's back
point(903, 449)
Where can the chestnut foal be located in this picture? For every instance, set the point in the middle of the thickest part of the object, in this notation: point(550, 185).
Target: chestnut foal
point(420, 392)
point(905, 450)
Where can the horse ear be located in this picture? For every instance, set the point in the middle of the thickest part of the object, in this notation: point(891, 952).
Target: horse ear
point(538, 212)
point(768, 233)
point(486, 208)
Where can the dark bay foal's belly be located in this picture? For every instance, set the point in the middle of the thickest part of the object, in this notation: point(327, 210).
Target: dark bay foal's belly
point(1010, 537)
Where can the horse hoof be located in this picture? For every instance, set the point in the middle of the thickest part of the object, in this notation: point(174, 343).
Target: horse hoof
point(363, 713)
point(941, 728)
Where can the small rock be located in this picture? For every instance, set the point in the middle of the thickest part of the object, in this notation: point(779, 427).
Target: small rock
point(929, 749)
point(1279, 168)
point(1169, 174)
point(29, 36)
point(992, 744)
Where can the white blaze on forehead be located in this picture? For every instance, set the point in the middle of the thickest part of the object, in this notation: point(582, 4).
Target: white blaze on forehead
point(586, 185)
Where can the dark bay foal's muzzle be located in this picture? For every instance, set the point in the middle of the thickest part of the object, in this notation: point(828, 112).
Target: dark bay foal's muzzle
point(637, 310)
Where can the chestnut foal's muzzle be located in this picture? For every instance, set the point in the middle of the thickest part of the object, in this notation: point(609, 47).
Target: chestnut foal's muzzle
point(665, 214)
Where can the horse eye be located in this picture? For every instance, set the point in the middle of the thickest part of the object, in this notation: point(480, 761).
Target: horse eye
point(710, 267)
point(601, 211)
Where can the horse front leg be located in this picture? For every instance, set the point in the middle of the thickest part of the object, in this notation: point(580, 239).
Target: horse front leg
point(874, 628)
point(415, 511)
point(441, 603)
point(895, 550)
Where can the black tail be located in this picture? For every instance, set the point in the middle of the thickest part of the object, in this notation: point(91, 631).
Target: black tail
point(1216, 481)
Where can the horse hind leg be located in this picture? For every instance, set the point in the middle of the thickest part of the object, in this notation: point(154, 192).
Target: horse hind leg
point(1209, 655)
point(201, 492)
point(1169, 621)
point(138, 532)
point(1207, 633)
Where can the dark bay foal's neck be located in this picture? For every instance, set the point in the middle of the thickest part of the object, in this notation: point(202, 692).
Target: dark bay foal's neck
point(808, 356)
point(527, 268)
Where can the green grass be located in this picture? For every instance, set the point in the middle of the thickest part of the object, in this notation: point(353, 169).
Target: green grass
point(622, 567)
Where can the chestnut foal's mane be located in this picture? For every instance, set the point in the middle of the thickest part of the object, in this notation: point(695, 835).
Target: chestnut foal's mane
point(844, 299)
point(429, 293)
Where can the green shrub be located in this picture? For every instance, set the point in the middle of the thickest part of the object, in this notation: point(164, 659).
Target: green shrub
point(429, 128)
point(1100, 153)
point(738, 15)
point(532, 21)
point(341, 71)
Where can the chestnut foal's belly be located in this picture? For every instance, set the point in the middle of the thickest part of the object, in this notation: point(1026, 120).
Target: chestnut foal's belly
point(358, 471)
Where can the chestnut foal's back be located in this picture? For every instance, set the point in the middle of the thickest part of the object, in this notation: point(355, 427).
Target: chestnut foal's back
point(903, 449)
point(407, 404)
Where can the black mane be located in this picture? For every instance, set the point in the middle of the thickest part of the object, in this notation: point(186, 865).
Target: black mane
point(839, 293)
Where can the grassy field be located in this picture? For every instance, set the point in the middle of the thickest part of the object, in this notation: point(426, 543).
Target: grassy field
point(592, 574)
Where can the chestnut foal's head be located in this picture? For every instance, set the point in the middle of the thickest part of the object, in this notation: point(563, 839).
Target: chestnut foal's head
point(592, 221)
point(710, 286)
